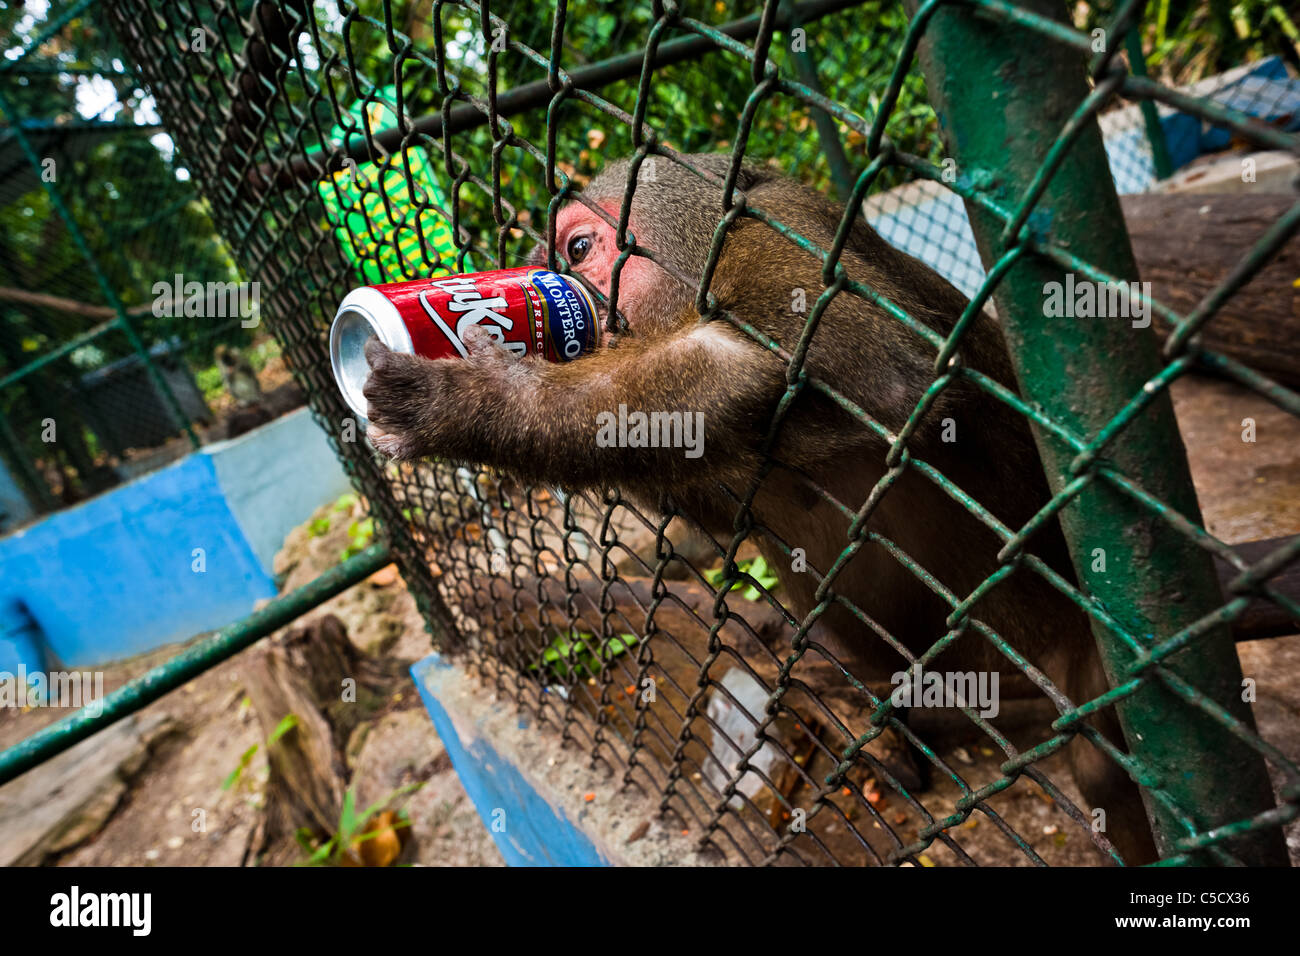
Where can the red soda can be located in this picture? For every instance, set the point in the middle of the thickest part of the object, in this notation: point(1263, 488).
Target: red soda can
point(529, 311)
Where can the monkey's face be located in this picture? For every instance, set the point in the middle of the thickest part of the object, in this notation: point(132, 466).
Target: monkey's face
point(648, 297)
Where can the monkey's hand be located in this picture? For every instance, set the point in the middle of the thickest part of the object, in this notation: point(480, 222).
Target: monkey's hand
point(417, 406)
point(560, 422)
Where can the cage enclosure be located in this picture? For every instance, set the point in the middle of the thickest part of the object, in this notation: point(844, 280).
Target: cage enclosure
point(341, 144)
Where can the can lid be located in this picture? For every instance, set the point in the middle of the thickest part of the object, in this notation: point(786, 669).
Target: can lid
point(363, 313)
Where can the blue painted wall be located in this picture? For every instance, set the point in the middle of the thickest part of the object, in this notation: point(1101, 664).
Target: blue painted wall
point(535, 834)
point(273, 478)
point(115, 576)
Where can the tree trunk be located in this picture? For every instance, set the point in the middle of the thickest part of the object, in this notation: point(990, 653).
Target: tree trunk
point(303, 672)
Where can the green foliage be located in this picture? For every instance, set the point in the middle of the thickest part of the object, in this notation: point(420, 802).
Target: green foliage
point(210, 383)
point(756, 568)
point(286, 724)
point(237, 774)
point(576, 656)
point(262, 353)
point(360, 535)
point(1188, 40)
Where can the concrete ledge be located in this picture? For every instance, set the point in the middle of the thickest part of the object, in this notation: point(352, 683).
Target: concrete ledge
point(533, 795)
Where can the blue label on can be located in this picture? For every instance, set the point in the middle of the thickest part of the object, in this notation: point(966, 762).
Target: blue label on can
point(570, 318)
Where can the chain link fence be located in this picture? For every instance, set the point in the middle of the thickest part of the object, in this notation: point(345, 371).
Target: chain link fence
point(339, 143)
point(116, 293)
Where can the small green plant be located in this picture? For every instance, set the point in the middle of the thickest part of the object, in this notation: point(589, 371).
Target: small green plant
point(582, 651)
point(345, 503)
point(756, 568)
point(210, 383)
point(336, 851)
point(360, 534)
point(286, 724)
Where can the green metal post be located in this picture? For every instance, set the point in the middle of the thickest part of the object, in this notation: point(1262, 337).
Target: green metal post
point(827, 131)
point(1003, 96)
point(188, 664)
point(1150, 115)
point(110, 295)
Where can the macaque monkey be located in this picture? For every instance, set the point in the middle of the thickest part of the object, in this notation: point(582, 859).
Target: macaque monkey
point(538, 422)
point(238, 376)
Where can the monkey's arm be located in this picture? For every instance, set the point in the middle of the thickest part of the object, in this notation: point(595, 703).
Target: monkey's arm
point(540, 420)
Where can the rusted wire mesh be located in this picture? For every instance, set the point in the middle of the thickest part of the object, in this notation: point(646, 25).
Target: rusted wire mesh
point(339, 143)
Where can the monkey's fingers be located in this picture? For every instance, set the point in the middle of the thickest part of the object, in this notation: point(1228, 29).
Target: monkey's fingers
point(392, 446)
point(400, 393)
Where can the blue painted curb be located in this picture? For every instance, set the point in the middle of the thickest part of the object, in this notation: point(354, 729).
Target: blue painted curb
point(527, 829)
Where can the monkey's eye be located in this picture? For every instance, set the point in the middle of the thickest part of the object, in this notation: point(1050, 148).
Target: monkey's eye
point(578, 248)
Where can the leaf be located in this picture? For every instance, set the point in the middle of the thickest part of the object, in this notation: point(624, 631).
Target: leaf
point(381, 844)
point(238, 772)
point(583, 652)
point(319, 527)
point(304, 838)
point(286, 724)
point(346, 502)
point(324, 852)
point(756, 568)
point(399, 792)
point(348, 816)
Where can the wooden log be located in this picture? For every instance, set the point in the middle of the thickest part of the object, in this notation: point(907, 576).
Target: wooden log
point(1263, 618)
point(1187, 243)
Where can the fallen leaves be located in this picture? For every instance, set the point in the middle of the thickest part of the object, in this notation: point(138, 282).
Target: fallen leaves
point(385, 576)
point(382, 849)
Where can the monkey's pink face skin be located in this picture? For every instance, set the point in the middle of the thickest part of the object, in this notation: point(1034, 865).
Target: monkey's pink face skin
point(589, 245)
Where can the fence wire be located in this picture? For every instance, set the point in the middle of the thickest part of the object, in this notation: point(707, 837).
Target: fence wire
point(339, 143)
